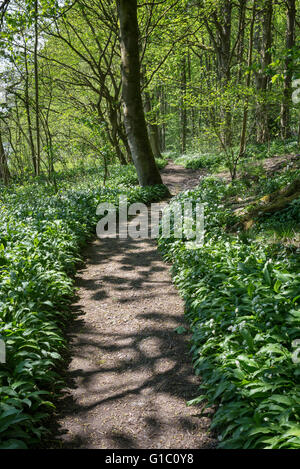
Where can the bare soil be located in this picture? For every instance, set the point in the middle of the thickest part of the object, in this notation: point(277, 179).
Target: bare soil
point(130, 372)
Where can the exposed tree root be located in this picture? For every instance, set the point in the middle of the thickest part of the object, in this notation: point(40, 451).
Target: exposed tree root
point(269, 204)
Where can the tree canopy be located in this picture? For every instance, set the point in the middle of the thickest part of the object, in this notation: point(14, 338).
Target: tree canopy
point(210, 73)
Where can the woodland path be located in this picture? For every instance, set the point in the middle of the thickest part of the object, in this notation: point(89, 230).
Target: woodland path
point(130, 373)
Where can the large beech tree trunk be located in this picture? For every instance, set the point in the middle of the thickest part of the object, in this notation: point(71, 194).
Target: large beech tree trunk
point(135, 122)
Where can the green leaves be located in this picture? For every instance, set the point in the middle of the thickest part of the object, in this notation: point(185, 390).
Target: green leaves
point(13, 444)
point(41, 235)
point(205, 160)
point(242, 304)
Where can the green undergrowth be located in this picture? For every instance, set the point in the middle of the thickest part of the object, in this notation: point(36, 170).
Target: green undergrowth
point(274, 148)
point(90, 174)
point(250, 164)
point(263, 186)
point(203, 161)
point(161, 162)
point(242, 302)
point(41, 235)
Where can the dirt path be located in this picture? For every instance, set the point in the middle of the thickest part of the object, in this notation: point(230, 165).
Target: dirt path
point(130, 374)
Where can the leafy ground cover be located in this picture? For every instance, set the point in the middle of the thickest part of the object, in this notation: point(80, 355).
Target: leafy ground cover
point(162, 162)
point(216, 161)
point(205, 160)
point(242, 295)
point(260, 151)
point(41, 234)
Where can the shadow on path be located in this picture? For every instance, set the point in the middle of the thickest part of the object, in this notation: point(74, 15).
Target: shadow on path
point(130, 374)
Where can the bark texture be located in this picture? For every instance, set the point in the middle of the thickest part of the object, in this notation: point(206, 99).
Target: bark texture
point(263, 40)
point(287, 92)
point(135, 123)
point(4, 171)
point(271, 203)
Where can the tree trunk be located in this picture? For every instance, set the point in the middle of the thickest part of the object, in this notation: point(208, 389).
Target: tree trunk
point(162, 115)
point(36, 77)
point(113, 117)
point(27, 108)
point(153, 131)
point(221, 40)
point(4, 171)
point(248, 80)
point(287, 91)
point(241, 32)
point(270, 203)
point(263, 44)
point(192, 126)
point(183, 113)
point(135, 122)
point(124, 139)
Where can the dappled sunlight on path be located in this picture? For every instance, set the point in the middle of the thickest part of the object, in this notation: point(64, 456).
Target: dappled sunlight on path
point(130, 374)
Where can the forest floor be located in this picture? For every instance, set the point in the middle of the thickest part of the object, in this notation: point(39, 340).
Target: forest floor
point(130, 373)
point(269, 165)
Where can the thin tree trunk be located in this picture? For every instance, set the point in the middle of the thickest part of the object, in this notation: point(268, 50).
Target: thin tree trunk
point(192, 109)
point(135, 122)
point(113, 117)
point(4, 171)
point(27, 108)
point(262, 78)
point(221, 40)
point(287, 91)
point(248, 79)
point(153, 131)
point(36, 77)
point(124, 139)
point(183, 113)
point(162, 114)
point(241, 30)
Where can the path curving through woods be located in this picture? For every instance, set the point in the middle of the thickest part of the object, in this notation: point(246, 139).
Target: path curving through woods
point(130, 373)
